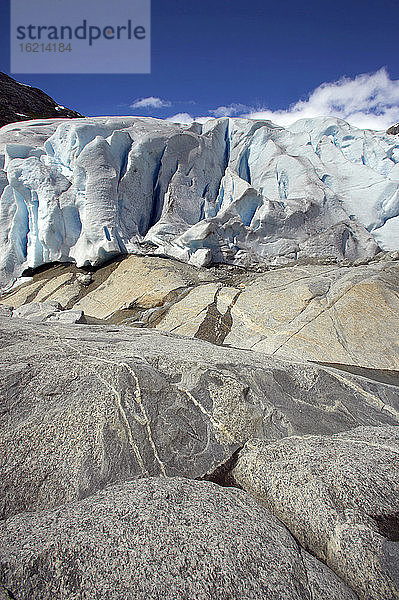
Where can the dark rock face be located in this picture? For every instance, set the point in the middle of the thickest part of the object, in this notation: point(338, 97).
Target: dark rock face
point(160, 538)
point(19, 102)
point(394, 130)
point(86, 406)
point(339, 496)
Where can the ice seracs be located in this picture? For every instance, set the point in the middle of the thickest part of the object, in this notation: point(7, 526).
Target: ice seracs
point(231, 190)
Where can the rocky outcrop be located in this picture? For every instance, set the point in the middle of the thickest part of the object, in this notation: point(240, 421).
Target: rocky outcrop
point(323, 312)
point(160, 538)
point(393, 130)
point(20, 102)
point(85, 406)
point(339, 496)
point(99, 424)
point(42, 312)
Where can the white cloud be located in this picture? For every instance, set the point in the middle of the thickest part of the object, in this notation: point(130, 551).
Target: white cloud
point(186, 119)
point(150, 102)
point(369, 101)
point(229, 111)
point(183, 118)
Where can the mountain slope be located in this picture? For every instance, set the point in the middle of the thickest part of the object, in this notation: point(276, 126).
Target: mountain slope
point(20, 102)
point(394, 130)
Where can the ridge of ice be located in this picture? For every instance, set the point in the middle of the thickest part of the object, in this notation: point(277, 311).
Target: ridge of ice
point(239, 190)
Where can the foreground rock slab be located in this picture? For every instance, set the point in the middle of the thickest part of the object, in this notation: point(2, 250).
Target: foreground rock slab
point(83, 406)
point(339, 496)
point(160, 538)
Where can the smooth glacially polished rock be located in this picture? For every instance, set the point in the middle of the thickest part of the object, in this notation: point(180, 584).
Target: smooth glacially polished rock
point(339, 496)
point(84, 406)
point(322, 312)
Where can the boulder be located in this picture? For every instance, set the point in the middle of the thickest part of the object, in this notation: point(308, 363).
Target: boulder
point(339, 496)
point(201, 257)
point(160, 538)
point(41, 312)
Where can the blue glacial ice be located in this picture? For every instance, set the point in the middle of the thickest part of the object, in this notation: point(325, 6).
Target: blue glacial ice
point(231, 190)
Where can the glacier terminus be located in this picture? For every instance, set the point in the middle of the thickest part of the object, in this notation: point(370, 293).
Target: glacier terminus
point(236, 191)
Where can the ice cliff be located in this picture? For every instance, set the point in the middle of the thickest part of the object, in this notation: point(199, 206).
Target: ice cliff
point(231, 190)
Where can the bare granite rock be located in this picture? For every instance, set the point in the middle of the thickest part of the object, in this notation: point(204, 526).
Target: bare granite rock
point(85, 406)
point(41, 312)
point(321, 312)
point(160, 538)
point(339, 496)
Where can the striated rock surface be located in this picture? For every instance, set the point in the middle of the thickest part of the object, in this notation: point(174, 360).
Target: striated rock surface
point(313, 312)
point(229, 191)
point(84, 406)
point(160, 538)
point(339, 496)
point(394, 129)
point(137, 286)
point(322, 312)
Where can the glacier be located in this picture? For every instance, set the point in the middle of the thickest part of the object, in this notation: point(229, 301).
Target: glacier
point(230, 190)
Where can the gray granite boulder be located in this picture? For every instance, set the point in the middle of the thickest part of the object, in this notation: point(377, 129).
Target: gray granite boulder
point(86, 406)
point(40, 312)
point(160, 538)
point(339, 496)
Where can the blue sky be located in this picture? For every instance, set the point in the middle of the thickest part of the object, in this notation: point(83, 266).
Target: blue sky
point(250, 57)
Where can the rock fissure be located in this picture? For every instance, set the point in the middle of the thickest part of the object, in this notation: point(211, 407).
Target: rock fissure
point(222, 474)
point(216, 325)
